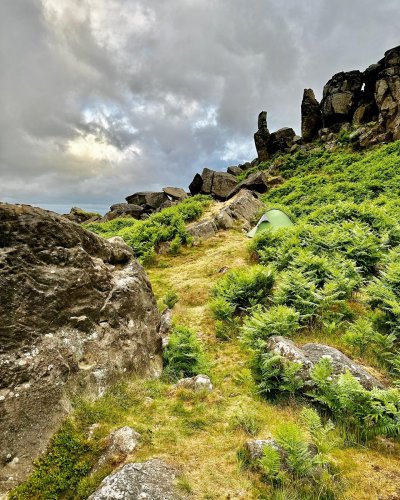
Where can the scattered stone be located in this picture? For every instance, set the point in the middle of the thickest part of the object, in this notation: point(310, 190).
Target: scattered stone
point(257, 182)
point(165, 325)
point(151, 480)
point(255, 447)
point(175, 193)
point(202, 230)
point(197, 383)
point(235, 170)
point(147, 199)
point(120, 443)
point(80, 216)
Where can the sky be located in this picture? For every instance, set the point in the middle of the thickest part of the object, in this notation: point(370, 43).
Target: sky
point(103, 98)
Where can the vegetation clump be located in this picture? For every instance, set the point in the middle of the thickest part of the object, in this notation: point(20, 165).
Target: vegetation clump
point(146, 236)
point(184, 355)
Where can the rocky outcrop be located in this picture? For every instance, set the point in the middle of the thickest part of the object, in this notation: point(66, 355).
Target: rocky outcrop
point(217, 184)
point(80, 216)
point(310, 354)
point(340, 99)
point(149, 200)
point(175, 193)
point(123, 210)
point(268, 144)
point(261, 137)
point(311, 120)
point(239, 211)
point(358, 98)
point(258, 182)
point(152, 480)
point(76, 311)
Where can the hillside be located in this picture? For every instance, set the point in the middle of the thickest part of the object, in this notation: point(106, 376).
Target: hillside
point(332, 278)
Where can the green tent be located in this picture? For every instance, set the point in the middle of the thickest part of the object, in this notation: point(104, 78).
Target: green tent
point(271, 220)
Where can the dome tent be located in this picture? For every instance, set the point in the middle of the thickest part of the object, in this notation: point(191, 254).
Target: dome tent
point(271, 220)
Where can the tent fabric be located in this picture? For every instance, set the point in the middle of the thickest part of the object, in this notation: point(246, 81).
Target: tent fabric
point(272, 219)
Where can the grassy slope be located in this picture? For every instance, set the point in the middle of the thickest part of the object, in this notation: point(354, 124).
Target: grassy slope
point(197, 433)
point(213, 459)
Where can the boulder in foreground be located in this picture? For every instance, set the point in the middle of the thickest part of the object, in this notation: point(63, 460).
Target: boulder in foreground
point(76, 311)
point(151, 480)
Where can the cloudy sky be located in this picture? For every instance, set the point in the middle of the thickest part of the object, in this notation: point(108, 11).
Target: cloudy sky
point(102, 98)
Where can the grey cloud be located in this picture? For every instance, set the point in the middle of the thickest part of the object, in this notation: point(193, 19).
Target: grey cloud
point(163, 88)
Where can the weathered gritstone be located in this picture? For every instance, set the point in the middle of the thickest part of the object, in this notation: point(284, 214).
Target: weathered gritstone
point(76, 310)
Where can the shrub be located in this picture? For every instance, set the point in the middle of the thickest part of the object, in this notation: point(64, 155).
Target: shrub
point(384, 293)
point(146, 236)
point(278, 320)
point(183, 356)
point(57, 474)
point(271, 463)
point(171, 298)
point(274, 374)
point(239, 290)
point(362, 414)
point(248, 421)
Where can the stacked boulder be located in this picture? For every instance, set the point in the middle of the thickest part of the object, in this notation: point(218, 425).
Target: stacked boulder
point(141, 204)
point(267, 144)
point(356, 98)
point(224, 185)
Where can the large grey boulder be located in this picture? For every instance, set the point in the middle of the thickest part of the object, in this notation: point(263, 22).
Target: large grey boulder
point(175, 193)
point(281, 141)
point(341, 97)
point(196, 184)
point(223, 184)
point(235, 170)
point(202, 230)
point(239, 210)
point(151, 480)
point(76, 311)
point(123, 210)
point(217, 184)
point(340, 363)
point(150, 200)
point(310, 354)
point(257, 181)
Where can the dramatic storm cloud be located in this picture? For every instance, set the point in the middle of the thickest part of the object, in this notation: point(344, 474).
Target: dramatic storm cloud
point(101, 98)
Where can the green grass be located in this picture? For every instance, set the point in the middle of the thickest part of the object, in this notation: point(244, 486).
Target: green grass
point(147, 236)
point(331, 278)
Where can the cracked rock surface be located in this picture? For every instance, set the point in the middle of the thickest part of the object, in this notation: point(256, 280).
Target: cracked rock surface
point(76, 310)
